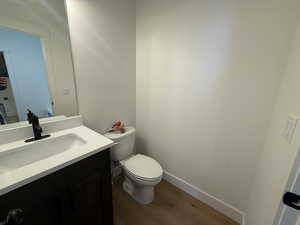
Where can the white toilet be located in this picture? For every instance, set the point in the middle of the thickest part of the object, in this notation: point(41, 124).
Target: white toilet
point(141, 172)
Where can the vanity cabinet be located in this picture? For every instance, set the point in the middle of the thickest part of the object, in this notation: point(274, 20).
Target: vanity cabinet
point(79, 194)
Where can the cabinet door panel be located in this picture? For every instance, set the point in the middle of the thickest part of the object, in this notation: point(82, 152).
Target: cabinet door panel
point(107, 198)
point(44, 213)
point(88, 201)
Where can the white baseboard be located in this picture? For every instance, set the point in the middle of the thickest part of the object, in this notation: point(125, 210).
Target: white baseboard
point(206, 198)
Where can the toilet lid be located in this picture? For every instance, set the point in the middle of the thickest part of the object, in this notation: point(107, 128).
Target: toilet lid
point(143, 167)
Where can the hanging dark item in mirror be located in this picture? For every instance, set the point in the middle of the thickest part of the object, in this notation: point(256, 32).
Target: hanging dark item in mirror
point(3, 72)
point(3, 83)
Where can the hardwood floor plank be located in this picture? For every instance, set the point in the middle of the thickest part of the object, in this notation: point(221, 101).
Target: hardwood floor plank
point(171, 206)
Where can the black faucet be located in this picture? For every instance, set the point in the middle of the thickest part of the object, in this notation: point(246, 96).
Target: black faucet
point(37, 130)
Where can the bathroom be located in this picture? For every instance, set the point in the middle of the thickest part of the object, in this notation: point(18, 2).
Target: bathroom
point(206, 93)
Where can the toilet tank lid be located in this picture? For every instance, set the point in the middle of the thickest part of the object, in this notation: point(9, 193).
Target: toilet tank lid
point(118, 135)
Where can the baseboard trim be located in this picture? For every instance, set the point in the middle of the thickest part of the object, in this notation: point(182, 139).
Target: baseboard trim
point(208, 199)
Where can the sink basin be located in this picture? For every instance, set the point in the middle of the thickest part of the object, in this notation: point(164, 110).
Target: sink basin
point(29, 153)
point(22, 163)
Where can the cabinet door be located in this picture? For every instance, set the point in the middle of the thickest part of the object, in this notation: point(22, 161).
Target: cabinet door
point(91, 198)
point(87, 201)
point(35, 212)
point(92, 201)
point(44, 213)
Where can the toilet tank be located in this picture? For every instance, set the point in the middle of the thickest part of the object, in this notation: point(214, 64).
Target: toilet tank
point(124, 143)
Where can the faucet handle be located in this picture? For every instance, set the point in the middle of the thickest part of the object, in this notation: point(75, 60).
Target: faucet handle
point(30, 116)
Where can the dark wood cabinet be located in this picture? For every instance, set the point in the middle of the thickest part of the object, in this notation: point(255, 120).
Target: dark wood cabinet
point(79, 194)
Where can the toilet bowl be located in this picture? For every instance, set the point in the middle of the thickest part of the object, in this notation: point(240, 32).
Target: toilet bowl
point(141, 172)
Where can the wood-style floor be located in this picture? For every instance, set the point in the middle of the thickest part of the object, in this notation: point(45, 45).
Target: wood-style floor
point(170, 207)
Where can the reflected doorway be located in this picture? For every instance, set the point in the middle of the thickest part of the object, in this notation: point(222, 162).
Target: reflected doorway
point(23, 77)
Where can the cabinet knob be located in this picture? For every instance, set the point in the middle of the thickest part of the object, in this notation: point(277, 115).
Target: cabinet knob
point(14, 217)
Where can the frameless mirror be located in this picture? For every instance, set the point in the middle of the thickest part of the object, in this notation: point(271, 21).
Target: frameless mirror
point(36, 68)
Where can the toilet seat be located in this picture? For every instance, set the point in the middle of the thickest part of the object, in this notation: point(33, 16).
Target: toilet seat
point(143, 168)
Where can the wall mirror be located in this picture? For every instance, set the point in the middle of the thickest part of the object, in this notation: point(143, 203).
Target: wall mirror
point(36, 67)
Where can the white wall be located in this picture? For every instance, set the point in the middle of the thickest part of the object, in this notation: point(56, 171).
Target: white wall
point(207, 76)
point(278, 156)
point(103, 42)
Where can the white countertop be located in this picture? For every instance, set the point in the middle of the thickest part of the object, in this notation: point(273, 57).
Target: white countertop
point(15, 178)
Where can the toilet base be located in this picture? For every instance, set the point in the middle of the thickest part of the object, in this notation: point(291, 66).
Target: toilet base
point(141, 193)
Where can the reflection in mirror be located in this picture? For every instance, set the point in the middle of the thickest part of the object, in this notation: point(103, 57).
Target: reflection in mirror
point(22, 56)
point(36, 69)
